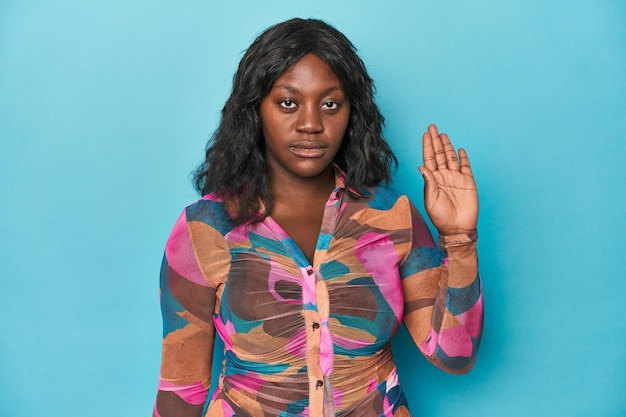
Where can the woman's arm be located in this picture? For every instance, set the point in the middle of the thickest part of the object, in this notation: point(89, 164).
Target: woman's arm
point(442, 289)
point(187, 304)
point(443, 299)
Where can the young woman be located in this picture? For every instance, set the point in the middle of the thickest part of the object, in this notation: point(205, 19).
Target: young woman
point(299, 255)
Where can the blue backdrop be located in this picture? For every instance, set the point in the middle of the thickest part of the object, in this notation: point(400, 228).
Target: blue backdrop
point(105, 107)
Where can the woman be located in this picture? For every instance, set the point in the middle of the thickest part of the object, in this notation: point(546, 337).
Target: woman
point(299, 256)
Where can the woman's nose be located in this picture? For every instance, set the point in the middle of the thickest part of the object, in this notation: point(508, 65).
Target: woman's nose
point(310, 120)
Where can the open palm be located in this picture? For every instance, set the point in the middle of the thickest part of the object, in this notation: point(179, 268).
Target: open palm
point(450, 194)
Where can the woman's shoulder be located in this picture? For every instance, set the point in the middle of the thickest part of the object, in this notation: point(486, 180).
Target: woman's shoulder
point(211, 210)
point(383, 197)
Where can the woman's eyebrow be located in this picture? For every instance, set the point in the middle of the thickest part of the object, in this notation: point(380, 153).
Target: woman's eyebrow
point(295, 90)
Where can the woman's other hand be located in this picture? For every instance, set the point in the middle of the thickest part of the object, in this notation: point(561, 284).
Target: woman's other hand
point(450, 194)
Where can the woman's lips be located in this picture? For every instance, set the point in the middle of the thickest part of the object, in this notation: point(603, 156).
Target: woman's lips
point(308, 149)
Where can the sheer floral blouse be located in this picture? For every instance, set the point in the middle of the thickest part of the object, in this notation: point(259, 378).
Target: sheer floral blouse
point(306, 339)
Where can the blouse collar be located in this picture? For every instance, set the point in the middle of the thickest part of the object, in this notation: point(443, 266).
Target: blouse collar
point(340, 183)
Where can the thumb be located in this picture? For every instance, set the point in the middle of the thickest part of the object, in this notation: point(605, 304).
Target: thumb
point(430, 185)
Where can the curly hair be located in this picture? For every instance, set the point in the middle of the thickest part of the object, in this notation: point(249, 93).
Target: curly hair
point(235, 167)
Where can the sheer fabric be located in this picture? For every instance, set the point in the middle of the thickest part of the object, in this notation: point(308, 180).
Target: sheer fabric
point(311, 339)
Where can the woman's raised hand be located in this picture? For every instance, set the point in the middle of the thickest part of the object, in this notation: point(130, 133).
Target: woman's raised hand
point(450, 194)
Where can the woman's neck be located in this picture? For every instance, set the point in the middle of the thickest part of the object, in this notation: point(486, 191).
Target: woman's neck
point(302, 191)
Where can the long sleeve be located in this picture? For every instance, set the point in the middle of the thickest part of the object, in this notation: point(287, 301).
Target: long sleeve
point(443, 297)
point(187, 304)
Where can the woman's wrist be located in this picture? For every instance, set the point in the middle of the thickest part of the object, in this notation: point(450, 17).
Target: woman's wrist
point(457, 239)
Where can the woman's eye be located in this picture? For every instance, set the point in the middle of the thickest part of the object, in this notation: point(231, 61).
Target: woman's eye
point(288, 104)
point(330, 105)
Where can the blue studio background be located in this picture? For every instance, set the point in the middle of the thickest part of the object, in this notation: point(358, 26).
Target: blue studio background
point(105, 107)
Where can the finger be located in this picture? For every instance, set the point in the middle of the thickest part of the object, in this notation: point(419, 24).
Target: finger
point(465, 163)
point(452, 160)
point(440, 154)
point(428, 152)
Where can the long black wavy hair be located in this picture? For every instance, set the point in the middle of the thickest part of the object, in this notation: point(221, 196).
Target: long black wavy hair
point(235, 167)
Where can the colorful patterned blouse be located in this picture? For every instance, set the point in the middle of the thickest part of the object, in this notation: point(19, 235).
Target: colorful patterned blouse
point(311, 340)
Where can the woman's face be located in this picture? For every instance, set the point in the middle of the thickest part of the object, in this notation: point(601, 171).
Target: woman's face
point(304, 118)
